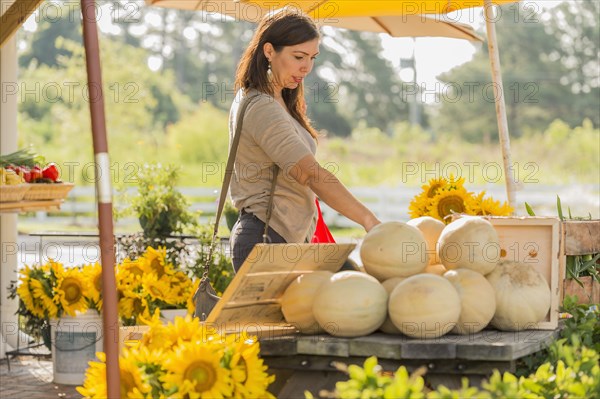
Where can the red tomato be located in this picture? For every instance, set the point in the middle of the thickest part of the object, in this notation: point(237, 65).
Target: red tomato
point(25, 173)
point(51, 172)
point(36, 173)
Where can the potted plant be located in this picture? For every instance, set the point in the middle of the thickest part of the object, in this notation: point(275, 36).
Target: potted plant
point(151, 284)
point(67, 301)
point(160, 208)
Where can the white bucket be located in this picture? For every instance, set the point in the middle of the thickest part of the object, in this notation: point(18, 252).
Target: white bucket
point(168, 315)
point(75, 341)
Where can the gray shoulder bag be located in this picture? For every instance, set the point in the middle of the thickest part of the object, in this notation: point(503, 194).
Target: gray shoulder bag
point(205, 297)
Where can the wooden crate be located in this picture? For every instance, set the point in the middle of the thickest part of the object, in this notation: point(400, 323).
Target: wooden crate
point(581, 237)
point(538, 242)
point(250, 304)
point(130, 335)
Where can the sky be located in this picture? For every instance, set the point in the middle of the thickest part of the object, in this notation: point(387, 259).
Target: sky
point(434, 56)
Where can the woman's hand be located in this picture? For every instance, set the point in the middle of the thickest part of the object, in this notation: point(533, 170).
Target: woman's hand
point(371, 222)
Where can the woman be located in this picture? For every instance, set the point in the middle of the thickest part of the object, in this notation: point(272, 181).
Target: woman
point(276, 131)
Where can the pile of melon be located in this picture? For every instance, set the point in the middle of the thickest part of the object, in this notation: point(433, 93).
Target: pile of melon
point(422, 279)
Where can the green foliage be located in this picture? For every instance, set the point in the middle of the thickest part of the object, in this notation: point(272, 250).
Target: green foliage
point(549, 66)
point(55, 116)
point(220, 266)
point(569, 368)
point(584, 323)
point(161, 209)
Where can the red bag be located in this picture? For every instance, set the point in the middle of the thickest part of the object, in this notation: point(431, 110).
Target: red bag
point(322, 234)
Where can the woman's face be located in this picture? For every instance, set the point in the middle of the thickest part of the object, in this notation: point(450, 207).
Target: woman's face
point(291, 65)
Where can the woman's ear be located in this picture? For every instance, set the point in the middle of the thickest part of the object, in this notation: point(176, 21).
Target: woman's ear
point(268, 49)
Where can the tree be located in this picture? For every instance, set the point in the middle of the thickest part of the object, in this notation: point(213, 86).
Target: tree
point(536, 66)
point(58, 21)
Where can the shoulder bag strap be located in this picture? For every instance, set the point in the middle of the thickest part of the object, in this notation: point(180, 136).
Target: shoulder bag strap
point(227, 179)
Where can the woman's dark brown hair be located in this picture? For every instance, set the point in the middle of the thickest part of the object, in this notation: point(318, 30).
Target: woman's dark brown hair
point(286, 27)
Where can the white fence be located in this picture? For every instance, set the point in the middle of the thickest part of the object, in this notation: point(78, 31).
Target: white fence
point(387, 203)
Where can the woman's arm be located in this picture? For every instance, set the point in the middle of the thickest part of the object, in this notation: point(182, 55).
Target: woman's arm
point(328, 188)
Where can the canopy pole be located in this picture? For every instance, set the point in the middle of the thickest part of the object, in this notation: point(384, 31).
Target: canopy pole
point(500, 104)
point(104, 198)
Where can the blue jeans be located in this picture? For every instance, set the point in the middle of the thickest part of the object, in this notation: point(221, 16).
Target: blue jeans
point(246, 233)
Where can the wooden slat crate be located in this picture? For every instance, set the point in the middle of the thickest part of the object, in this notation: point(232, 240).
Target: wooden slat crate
point(581, 237)
point(251, 302)
point(537, 242)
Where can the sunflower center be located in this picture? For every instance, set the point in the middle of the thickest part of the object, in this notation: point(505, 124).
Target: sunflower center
point(98, 282)
point(138, 305)
point(157, 267)
point(452, 203)
point(72, 289)
point(202, 374)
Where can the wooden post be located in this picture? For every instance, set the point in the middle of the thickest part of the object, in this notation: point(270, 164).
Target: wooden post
point(14, 17)
point(500, 104)
point(104, 197)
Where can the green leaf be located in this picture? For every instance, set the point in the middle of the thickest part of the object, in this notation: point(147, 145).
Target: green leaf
point(569, 209)
point(530, 211)
point(559, 208)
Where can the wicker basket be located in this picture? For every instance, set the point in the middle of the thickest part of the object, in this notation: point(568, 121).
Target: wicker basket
point(47, 191)
point(13, 193)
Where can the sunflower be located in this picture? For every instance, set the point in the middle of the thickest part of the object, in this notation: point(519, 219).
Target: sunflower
point(132, 305)
point(430, 190)
point(25, 292)
point(196, 372)
point(186, 329)
point(93, 275)
point(155, 260)
point(448, 201)
point(181, 290)
point(419, 206)
point(132, 384)
point(41, 294)
point(159, 289)
point(94, 385)
point(56, 269)
point(134, 267)
point(249, 374)
point(157, 338)
point(488, 206)
point(132, 378)
point(69, 291)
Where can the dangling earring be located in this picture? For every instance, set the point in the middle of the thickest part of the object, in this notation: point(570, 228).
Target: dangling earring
point(269, 73)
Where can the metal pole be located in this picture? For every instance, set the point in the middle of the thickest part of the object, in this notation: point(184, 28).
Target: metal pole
point(500, 104)
point(104, 197)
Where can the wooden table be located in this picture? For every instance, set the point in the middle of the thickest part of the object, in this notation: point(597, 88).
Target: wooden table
point(306, 362)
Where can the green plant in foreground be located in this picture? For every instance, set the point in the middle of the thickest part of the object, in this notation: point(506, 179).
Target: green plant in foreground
point(572, 370)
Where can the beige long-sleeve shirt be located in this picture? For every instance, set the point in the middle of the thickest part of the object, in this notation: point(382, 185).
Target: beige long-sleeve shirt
point(270, 135)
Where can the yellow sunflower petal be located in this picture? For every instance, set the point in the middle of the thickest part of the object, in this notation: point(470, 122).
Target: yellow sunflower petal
point(195, 371)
